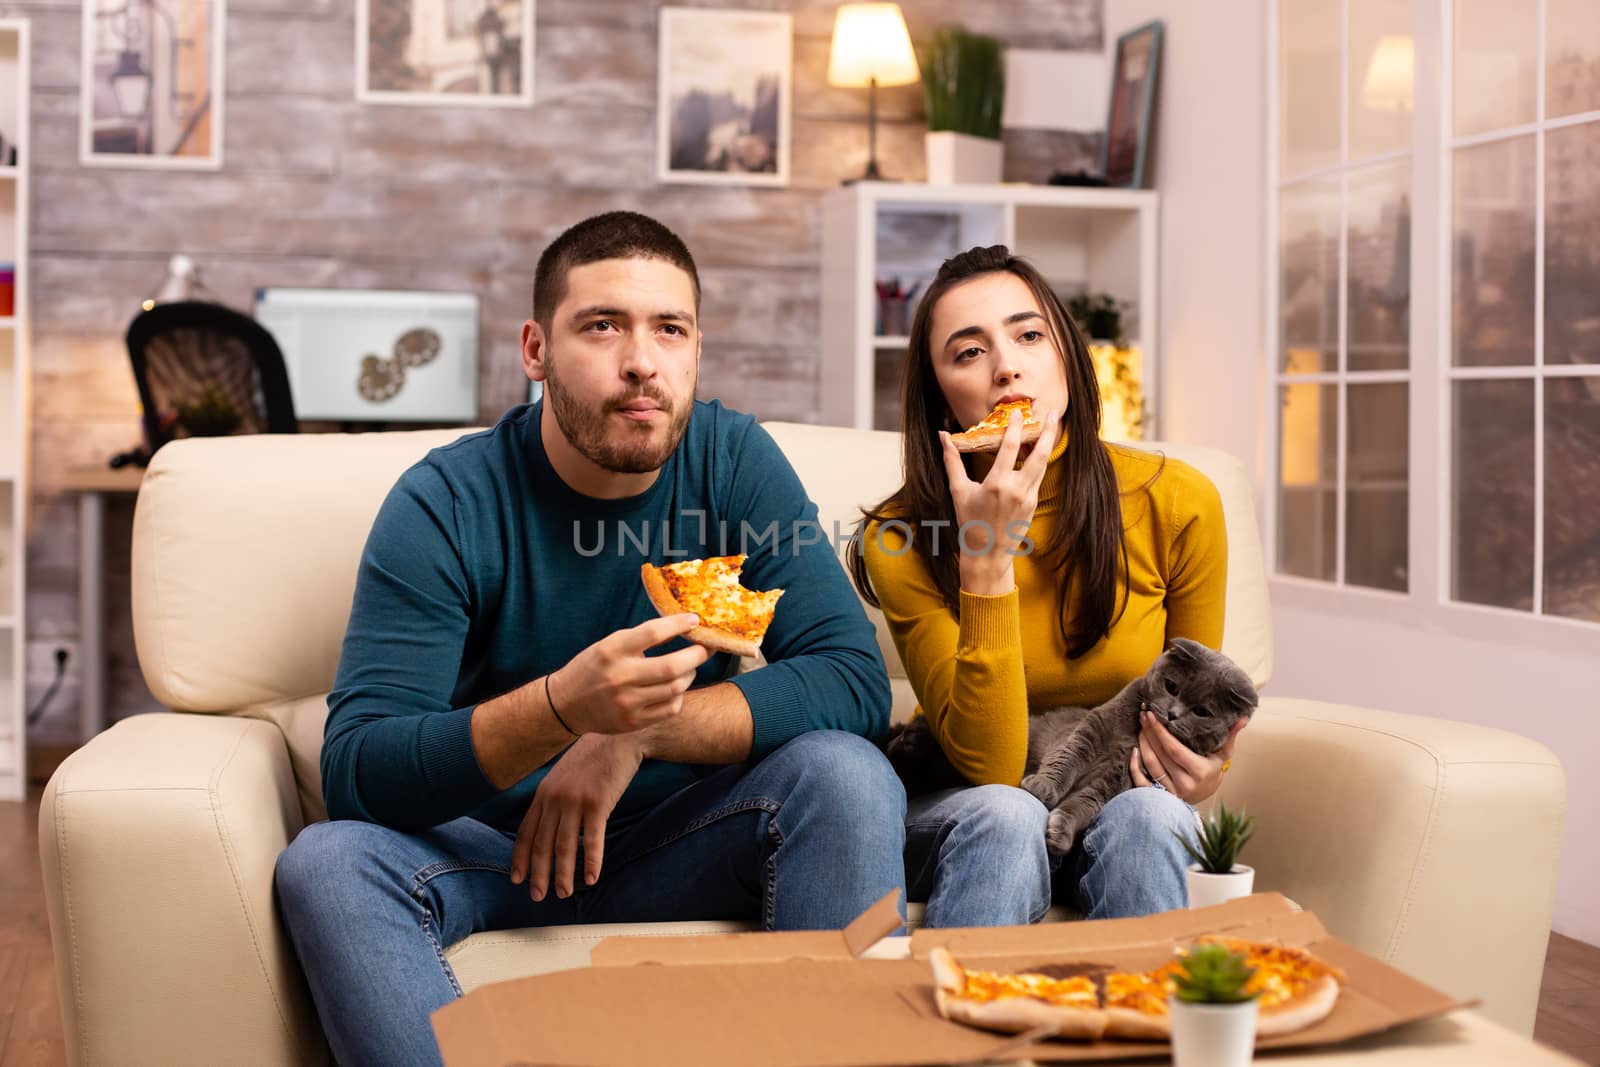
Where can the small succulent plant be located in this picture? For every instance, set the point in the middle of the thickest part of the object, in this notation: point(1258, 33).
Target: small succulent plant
point(1212, 974)
point(1221, 837)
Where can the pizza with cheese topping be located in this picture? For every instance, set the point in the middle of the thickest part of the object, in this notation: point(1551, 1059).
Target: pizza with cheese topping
point(987, 435)
point(1293, 987)
point(732, 618)
point(1014, 1003)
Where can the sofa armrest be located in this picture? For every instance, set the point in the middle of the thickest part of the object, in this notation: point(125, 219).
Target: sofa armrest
point(1427, 843)
point(158, 841)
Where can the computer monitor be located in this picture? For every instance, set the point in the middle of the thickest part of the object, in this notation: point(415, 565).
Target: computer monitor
point(359, 355)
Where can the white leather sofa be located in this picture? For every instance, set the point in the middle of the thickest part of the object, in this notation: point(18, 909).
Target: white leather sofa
point(1427, 843)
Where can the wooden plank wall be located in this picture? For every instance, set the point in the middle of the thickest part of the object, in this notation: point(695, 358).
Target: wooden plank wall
point(318, 190)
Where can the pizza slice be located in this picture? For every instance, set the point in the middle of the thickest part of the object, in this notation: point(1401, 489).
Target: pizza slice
point(1136, 1004)
point(732, 618)
point(1016, 1003)
point(987, 435)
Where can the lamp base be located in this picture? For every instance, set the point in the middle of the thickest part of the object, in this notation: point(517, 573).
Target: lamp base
point(871, 174)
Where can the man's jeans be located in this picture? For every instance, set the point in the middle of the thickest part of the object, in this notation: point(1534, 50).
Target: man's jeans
point(977, 856)
point(806, 839)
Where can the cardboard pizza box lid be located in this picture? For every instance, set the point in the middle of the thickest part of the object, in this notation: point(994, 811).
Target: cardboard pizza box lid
point(868, 928)
point(784, 1000)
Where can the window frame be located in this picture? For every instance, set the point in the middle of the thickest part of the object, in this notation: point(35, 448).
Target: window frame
point(1427, 603)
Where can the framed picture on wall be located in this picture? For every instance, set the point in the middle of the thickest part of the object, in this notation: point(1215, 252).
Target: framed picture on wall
point(1124, 150)
point(151, 86)
point(457, 52)
point(722, 103)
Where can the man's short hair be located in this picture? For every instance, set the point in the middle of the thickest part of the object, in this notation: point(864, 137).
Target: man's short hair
point(614, 235)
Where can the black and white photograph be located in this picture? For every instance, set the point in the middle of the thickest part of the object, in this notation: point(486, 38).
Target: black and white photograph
point(152, 79)
point(723, 104)
point(454, 52)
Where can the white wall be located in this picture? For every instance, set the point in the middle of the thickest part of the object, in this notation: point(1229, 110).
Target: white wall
point(1210, 157)
point(1210, 169)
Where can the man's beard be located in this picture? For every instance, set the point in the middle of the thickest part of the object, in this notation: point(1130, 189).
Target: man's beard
point(634, 450)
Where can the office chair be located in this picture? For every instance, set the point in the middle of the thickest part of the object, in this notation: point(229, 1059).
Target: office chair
point(206, 370)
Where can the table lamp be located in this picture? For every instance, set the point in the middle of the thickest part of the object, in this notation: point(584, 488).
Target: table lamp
point(871, 48)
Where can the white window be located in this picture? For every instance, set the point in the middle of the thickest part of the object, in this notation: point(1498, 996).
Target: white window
point(1523, 278)
point(1436, 356)
point(1343, 368)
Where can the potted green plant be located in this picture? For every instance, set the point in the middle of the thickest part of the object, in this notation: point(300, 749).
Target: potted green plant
point(1216, 875)
point(1213, 1009)
point(211, 414)
point(1098, 315)
point(964, 84)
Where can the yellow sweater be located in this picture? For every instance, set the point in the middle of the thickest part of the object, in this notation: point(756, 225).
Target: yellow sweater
point(977, 677)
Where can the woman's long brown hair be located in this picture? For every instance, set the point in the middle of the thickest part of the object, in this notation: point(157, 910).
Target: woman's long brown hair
point(1087, 545)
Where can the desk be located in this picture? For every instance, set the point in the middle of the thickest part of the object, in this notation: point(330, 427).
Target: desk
point(92, 484)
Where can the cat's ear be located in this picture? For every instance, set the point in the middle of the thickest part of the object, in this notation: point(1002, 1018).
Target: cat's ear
point(1187, 649)
point(1245, 698)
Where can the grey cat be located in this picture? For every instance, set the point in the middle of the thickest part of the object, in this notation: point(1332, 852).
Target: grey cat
point(1078, 757)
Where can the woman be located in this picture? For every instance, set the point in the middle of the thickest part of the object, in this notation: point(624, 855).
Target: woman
point(1051, 582)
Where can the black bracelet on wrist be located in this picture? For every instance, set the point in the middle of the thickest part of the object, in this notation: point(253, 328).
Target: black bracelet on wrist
point(553, 710)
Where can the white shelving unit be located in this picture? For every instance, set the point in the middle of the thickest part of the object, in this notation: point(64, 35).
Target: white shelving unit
point(1102, 240)
point(14, 408)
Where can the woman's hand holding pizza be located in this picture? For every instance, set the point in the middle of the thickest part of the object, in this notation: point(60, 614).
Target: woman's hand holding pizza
point(993, 515)
point(612, 687)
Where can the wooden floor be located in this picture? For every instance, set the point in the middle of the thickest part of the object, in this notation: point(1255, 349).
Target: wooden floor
point(30, 1017)
point(30, 1022)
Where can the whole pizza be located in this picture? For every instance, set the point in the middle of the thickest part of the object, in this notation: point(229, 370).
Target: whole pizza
point(1293, 988)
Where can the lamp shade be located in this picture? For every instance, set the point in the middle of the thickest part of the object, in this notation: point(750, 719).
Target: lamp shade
point(1387, 86)
point(870, 42)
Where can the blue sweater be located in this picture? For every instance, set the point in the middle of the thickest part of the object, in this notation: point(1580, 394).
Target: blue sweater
point(484, 570)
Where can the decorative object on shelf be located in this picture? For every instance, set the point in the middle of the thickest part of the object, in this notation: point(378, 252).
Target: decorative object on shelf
point(8, 290)
point(1216, 875)
point(1123, 150)
point(1119, 369)
point(152, 84)
point(1051, 89)
point(452, 52)
point(894, 307)
point(965, 87)
point(382, 379)
point(722, 104)
point(181, 283)
point(1118, 365)
point(871, 47)
point(376, 356)
point(1213, 1016)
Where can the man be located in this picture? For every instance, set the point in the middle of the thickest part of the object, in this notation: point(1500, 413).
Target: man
point(515, 738)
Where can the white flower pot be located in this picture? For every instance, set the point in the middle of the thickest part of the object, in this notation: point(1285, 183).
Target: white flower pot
point(1213, 1035)
point(1208, 889)
point(960, 157)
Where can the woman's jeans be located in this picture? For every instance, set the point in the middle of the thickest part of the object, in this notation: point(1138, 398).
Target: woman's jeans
point(808, 838)
point(977, 856)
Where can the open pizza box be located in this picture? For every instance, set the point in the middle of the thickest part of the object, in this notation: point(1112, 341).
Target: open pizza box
point(822, 999)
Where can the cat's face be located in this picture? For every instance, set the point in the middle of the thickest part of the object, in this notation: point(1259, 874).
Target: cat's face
point(1198, 694)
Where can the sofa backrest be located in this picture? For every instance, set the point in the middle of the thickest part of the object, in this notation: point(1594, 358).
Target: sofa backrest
point(245, 552)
